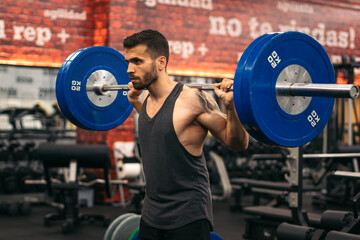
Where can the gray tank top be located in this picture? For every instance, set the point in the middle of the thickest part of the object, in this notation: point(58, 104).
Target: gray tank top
point(177, 182)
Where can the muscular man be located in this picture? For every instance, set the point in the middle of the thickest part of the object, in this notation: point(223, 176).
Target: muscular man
point(173, 123)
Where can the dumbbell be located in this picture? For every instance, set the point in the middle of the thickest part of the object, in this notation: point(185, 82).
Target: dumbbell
point(4, 152)
point(9, 208)
point(9, 181)
point(24, 207)
point(29, 149)
point(25, 173)
point(13, 208)
point(16, 150)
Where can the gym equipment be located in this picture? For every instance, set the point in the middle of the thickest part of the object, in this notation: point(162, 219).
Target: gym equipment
point(225, 192)
point(113, 225)
point(284, 87)
point(287, 231)
point(335, 220)
point(4, 152)
point(268, 218)
point(127, 225)
point(13, 207)
point(134, 235)
point(294, 232)
point(214, 236)
point(9, 208)
point(24, 208)
point(16, 150)
point(126, 228)
point(90, 110)
point(24, 173)
point(335, 235)
point(75, 157)
point(8, 178)
point(331, 196)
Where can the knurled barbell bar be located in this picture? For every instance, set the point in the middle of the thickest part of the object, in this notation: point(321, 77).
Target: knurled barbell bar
point(284, 88)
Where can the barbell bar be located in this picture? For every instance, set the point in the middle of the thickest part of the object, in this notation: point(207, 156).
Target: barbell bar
point(284, 88)
point(295, 89)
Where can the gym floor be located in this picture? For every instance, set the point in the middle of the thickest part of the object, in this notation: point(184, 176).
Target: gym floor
point(229, 225)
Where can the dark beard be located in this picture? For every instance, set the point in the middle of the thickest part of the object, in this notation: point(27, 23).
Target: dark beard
point(149, 78)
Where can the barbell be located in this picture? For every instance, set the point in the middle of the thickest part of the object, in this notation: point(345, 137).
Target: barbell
point(284, 88)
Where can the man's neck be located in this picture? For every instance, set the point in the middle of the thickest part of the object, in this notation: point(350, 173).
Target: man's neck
point(161, 87)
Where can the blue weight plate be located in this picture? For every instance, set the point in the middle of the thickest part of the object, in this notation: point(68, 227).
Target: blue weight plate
point(271, 122)
point(237, 82)
point(247, 93)
point(241, 94)
point(59, 91)
point(74, 100)
point(214, 236)
point(247, 85)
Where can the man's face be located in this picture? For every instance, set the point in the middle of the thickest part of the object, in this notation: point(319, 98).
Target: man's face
point(142, 68)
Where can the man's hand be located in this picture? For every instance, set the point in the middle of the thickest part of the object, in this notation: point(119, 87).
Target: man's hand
point(224, 92)
point(133, 94)
point(133, 97)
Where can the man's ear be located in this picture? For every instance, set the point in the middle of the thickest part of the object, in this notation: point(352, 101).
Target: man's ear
point(161, 62)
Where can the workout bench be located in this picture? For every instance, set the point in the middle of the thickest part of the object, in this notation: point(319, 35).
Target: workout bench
point(74, 157)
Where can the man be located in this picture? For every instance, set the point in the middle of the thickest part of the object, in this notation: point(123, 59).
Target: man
point(173, 123)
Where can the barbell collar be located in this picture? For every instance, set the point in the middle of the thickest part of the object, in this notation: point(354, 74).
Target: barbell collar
point(295, 89)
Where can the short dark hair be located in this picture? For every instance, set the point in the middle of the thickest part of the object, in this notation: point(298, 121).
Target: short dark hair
point(156, 43)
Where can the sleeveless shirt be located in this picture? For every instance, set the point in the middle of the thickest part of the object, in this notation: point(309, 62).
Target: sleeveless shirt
point(177, 182)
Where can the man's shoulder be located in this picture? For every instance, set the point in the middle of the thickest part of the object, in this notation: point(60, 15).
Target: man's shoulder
point(193, 99)
point(189, 95)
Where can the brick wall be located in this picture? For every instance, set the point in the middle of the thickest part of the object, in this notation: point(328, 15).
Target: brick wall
point(207, 37)
point(44, 33)
point(101, 22)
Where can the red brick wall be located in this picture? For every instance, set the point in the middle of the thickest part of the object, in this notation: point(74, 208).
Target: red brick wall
point(225, 28)
point(101, 22)
point(207, 36)
point(44, 33)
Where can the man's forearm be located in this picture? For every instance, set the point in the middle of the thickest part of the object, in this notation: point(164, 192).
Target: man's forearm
point(237, 137)
point(137, 104)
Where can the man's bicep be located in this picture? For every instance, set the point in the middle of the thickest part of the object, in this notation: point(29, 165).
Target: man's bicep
point(215, 122)
point(211, 116)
